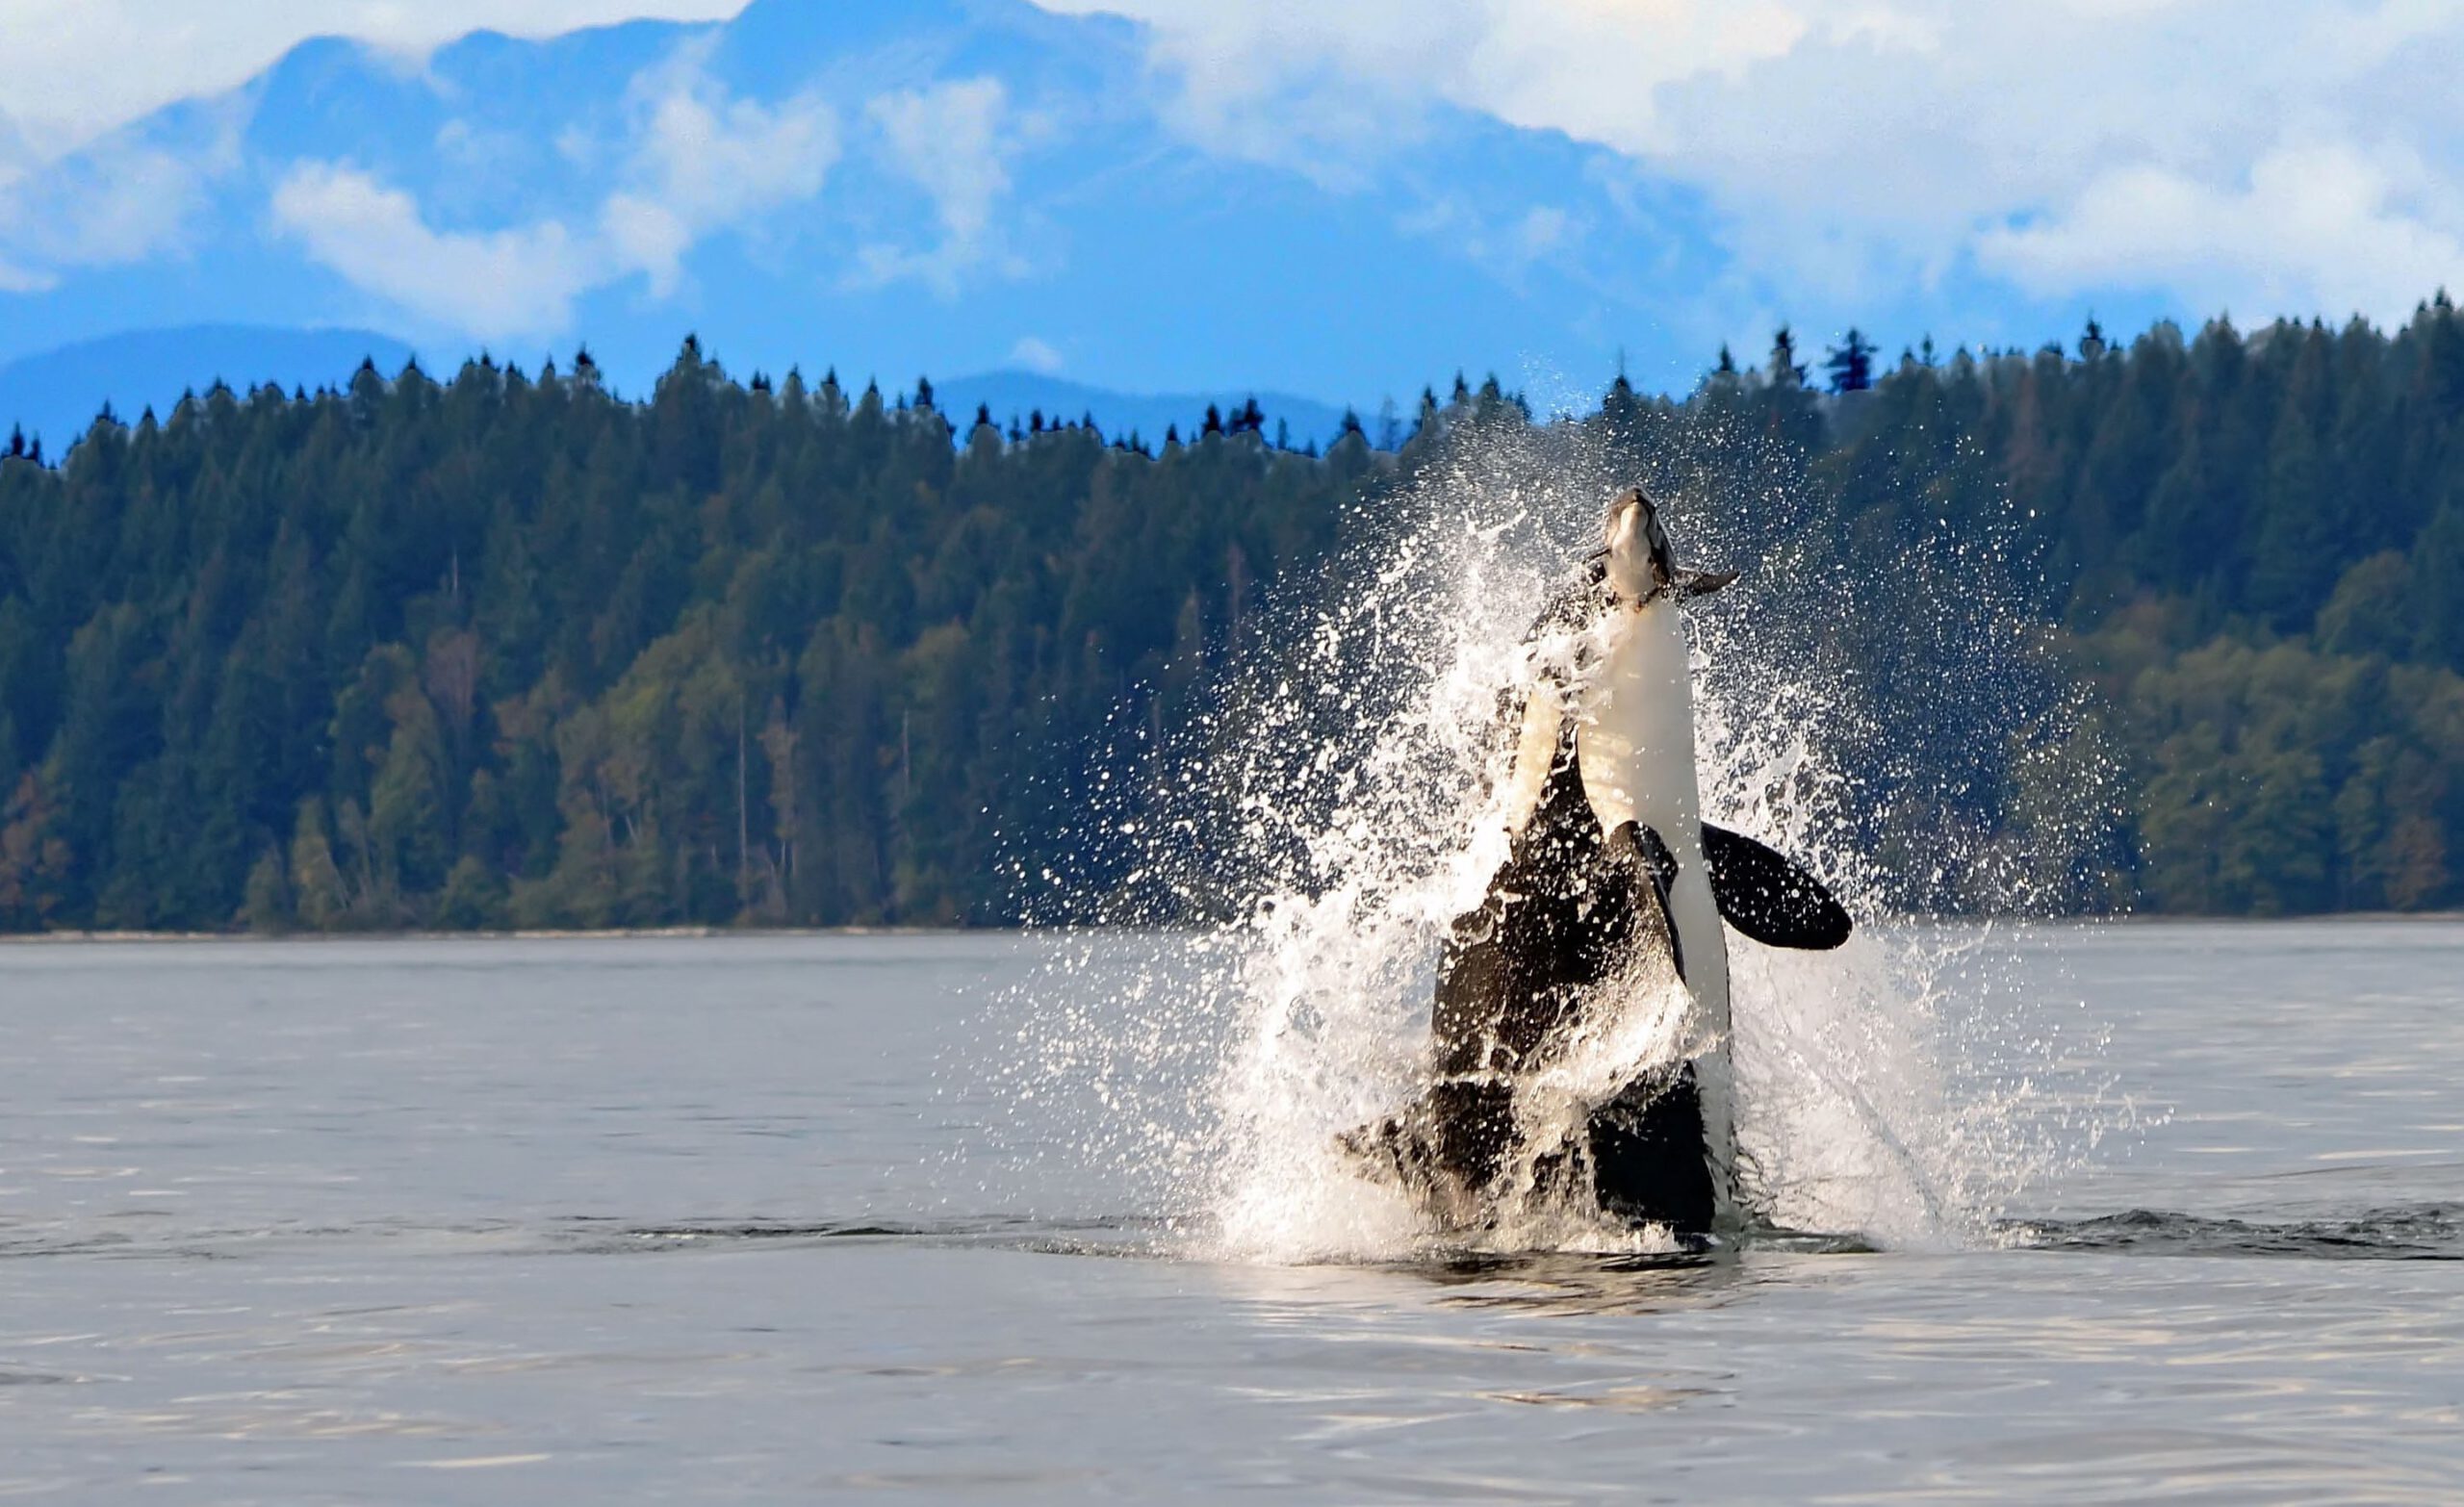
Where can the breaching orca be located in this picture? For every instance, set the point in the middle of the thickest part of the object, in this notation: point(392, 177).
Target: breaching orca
point(1612, 877)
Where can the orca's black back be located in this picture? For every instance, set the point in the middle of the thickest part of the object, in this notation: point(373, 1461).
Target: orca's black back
point(1557, 919)
point(1561, 915)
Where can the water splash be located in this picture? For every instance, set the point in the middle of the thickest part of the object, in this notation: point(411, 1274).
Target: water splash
point(1332, 806)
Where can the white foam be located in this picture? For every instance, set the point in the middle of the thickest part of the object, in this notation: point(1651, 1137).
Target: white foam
point(1339, 798)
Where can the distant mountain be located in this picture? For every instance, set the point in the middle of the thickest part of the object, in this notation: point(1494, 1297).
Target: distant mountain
point(55, 395)
point(951, 185)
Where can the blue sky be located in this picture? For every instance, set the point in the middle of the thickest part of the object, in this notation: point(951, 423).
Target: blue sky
point(1340, 198)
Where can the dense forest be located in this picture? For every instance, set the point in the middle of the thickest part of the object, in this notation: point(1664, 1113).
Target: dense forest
point(507, 649)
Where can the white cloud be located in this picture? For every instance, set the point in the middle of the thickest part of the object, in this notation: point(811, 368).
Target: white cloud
point(1035, 355)
point(120, 200)
point(2320, 227)
point(1847, 151)
point(78, 70)
point(1509, 246)
point(696, 161)
point(16, 279)
point(1543, 229)
point(702, 162)
point(80, 185)
point(495, 285)
point(115, 207)
point(1329, 87)
point(952, 139)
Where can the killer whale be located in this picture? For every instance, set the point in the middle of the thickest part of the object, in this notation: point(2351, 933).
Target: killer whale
point(1611, 879)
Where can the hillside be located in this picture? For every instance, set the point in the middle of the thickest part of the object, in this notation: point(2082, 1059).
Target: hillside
point(504, 650)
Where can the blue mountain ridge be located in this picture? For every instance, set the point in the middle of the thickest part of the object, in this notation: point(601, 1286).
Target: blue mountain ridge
point(1142, 258)
point(56, 394)
point(1100, 232)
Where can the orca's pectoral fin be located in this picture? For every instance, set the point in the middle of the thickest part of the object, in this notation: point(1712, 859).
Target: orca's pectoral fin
point(1691, 584)
point(1769, 897)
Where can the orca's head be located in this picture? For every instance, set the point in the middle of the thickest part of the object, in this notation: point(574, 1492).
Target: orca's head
point(1636, 555)
point(1641, 564)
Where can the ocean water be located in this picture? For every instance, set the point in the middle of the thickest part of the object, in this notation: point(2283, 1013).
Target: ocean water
point(935, 1219)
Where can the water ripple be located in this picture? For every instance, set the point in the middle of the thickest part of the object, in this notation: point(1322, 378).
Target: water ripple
point(2416, 1232)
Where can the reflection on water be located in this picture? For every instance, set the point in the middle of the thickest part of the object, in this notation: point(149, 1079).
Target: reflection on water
point(744, 1221)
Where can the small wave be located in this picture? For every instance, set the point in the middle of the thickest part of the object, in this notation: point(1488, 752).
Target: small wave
point(729, 1232)
point(593, 1235)
point(2419, 1232)
point(1105, 1237)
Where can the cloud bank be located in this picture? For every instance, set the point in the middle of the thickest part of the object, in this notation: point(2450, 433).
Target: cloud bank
point(2296, 157)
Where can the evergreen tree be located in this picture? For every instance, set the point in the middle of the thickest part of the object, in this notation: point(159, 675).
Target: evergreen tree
point(1784, 370)
point(1850, 364)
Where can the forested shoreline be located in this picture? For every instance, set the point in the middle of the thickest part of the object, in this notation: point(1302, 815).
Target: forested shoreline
point(503, 649)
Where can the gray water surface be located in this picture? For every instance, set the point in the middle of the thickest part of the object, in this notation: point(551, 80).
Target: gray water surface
point(741, 1220)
